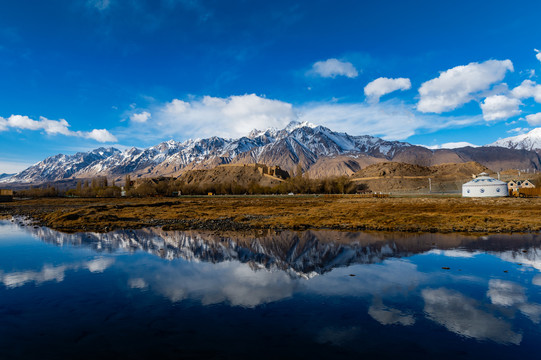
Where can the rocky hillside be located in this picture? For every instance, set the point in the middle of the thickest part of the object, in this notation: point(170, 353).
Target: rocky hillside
point(393, 176)
point(229, 174)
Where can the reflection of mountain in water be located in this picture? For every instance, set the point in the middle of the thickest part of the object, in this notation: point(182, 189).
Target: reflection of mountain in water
point(304, 253)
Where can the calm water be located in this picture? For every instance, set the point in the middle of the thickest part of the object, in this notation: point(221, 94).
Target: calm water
point(169, 295)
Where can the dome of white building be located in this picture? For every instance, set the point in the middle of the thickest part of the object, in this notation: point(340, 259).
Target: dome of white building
point(484, 186)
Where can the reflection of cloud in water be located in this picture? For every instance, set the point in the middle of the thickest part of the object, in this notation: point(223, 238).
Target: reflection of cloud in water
point(137, 283)
point(51, 273)
point(231, 282)
point(99, 265)
point(507, 293)
point(387, 316)
point(537, 280)
point(529, 257)
point(47, 273)
point(240, 285)
point(337, 336)
point(452, 253)
point(532, 311)
point(392, 276)
point(461, 315)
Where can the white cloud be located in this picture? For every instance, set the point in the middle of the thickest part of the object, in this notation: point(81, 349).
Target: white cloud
point(53, 127)
point(451, 145)
point(140, 117)
point(382, 86)
point(100, 135)
point(528, 89)
point(534, 119)
point(500, 107)
point(49, 126)
point(538, 54)
point(333, 68)
point(233, 116)
point(460, 85)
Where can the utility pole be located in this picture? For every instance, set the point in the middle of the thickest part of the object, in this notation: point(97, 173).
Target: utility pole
point(429, 185)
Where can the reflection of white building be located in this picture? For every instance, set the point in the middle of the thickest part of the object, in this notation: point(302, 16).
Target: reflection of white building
point(484, 186)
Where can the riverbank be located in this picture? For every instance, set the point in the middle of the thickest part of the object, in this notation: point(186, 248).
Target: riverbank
point(425, 214)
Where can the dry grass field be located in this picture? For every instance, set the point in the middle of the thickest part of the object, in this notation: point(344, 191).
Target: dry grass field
point(425, 214)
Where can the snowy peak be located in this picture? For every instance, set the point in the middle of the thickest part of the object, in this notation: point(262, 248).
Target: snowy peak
point(296, 124)
point(528, 141)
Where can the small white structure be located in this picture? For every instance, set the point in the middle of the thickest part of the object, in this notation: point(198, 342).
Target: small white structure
point(484, 186)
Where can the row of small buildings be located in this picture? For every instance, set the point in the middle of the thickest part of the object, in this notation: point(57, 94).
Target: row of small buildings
point(486, 186)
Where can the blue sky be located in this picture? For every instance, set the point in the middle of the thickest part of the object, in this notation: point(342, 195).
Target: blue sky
point(76, 75)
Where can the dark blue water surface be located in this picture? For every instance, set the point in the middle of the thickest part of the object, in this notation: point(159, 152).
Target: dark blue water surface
point(314, 294)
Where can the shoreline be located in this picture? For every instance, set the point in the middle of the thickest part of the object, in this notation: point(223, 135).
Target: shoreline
point(241, 213)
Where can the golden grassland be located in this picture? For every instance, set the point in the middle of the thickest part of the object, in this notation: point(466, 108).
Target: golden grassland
point(424, 214)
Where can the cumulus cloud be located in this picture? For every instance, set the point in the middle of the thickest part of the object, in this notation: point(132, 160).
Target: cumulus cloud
point(332, 68)
point(534, 119)
point(233, 116)
point(500, 107)
point(528, 89)
point(140, 117)
point(460, 85)
point(538, 54)
point(462, 316)
point(53, 127)
point(100, 135)
point(382, 86)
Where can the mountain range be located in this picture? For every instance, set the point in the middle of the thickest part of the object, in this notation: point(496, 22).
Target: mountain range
point(318, 150)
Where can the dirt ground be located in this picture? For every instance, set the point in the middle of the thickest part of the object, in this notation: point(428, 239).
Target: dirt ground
point(424, 214)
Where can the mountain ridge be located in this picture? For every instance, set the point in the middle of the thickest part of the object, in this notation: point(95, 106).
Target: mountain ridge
point(318, 150)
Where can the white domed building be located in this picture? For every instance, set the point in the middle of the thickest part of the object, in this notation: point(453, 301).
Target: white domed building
point(484, 186)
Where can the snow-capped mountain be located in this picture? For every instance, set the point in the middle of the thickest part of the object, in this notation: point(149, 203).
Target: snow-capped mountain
point(297, 143)
point(528, 141)
point(318, 150)
point(62, 166)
